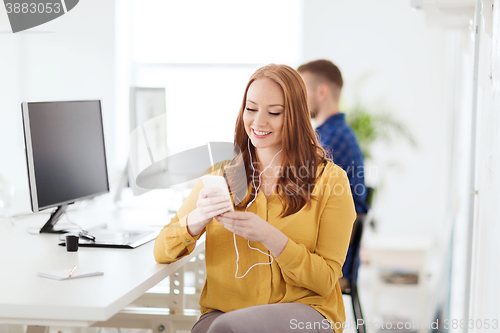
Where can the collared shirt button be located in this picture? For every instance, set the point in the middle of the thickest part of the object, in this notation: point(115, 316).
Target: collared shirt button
point(187, 240)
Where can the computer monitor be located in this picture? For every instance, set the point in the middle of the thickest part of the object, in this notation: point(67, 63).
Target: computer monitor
point(65, 155)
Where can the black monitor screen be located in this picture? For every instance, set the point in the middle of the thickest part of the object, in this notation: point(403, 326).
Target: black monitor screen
point(65, 152)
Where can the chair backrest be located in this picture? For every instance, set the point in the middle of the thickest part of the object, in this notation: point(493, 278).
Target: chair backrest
point(357, 234)
point(370, 191)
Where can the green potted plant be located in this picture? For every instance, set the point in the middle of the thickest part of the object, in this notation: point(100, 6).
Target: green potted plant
point(372, 122)
point(376, 126)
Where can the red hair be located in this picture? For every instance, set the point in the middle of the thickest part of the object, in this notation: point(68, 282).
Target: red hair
point(302, 153)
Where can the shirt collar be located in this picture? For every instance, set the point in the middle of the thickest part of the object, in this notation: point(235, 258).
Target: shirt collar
point(339, 117)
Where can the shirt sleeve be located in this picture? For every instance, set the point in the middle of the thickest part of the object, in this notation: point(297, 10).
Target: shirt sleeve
point(174, 237)
point(356, 174)
point(319, 271)
point(347, 154)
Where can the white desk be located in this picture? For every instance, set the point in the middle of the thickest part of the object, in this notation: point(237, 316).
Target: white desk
point(28, 299)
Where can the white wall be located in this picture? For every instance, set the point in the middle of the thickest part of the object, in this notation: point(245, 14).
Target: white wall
point(484, 304)
point(485, 264)
point(407, 61)
point(461, 60)
point(70, 58)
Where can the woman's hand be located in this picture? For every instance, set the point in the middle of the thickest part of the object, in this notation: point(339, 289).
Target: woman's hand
point(253, 228)
point(206, 209)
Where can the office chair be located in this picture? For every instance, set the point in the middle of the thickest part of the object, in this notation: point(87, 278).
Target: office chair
point(349, 286)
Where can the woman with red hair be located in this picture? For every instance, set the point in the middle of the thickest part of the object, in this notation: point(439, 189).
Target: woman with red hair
point(274, 262)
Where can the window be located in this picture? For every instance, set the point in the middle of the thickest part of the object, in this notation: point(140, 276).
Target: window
point(203, 53)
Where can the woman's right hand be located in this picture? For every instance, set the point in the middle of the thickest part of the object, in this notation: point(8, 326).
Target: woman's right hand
point(206, 209)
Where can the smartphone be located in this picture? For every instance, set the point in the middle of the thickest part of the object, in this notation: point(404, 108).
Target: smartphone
point(217, 182)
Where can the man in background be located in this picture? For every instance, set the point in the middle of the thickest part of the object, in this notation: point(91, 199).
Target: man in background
point(324, 84)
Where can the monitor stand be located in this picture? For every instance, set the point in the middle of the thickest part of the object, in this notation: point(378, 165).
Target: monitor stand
point(48, 227)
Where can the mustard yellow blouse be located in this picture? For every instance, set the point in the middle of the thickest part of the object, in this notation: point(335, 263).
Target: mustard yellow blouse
point(308, 269)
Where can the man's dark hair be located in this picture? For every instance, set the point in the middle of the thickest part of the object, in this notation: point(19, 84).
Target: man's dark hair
point(325, 69)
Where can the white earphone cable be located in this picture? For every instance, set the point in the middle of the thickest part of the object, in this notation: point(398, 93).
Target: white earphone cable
point(255, 197)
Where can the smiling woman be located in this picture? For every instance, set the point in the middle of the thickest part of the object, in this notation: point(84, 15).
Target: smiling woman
point(276, 259)
point(275, 105)
point(263, 116)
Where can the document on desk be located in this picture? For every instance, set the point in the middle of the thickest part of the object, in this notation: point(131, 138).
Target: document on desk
point(63, 274)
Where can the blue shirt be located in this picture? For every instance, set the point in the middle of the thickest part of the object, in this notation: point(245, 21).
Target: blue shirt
point(339, 140)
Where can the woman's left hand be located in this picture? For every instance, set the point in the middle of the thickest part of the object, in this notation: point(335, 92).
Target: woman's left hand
point(245, 224)
point(253, 228)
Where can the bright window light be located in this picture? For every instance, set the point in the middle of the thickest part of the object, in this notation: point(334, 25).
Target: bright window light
point(203, 53)
point(202, 102)
point(220, 31)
